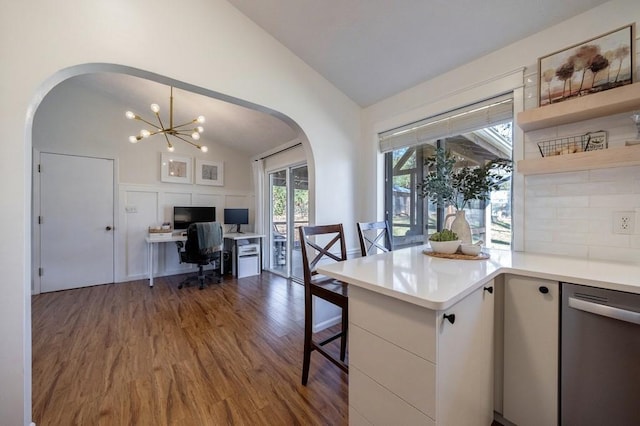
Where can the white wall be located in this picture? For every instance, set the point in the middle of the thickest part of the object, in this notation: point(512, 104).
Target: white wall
point(569, 213)
point(219, 49)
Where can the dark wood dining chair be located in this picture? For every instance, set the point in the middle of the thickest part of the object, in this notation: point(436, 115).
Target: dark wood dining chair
point(319, 245)
point(375, 237)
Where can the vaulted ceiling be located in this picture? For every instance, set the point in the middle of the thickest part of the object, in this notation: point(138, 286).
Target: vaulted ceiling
point(369, 49)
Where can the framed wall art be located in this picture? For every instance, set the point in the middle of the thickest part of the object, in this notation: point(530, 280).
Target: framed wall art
point(209, 172)
point(599, 64)
point(176, 169)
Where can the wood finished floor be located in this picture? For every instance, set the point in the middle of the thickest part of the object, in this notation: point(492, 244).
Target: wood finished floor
point(231, 354)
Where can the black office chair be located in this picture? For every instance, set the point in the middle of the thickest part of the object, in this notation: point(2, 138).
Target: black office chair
point(320, 244)
point(375, 237)
point(203, 246)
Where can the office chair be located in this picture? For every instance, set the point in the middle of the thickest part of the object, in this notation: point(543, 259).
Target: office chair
point(317, 244)
point(203, 246)
point(375, 237)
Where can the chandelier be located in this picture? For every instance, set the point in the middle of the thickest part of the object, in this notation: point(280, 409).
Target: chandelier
point(181, 131)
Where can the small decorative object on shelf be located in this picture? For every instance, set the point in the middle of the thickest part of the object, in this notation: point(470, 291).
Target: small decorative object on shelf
point(636, 119)
point(591, 141)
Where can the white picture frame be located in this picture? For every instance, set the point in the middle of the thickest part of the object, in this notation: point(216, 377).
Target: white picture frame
point(176, 169)
point(209, 172)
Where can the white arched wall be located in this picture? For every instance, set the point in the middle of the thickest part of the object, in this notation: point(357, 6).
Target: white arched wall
point(216, 48)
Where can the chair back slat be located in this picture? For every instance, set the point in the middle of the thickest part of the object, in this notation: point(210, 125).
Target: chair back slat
point(375, 237)
point(314, 251)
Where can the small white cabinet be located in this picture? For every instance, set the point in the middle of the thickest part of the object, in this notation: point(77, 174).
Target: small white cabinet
point(531, 321)
point(411, 365)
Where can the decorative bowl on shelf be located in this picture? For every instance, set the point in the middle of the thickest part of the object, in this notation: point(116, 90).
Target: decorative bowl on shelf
point(445, 247)
point(471, 249)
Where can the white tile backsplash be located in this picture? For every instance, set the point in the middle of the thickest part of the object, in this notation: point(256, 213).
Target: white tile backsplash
point(572, 213)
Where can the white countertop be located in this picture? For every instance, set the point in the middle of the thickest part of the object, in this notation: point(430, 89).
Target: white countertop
point(436, 283)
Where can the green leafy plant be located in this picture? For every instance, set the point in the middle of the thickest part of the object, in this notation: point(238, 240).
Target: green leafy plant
point(444, 235)
point(450, 186)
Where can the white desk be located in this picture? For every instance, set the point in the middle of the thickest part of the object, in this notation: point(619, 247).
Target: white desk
point(234, 238)
point(174, 238)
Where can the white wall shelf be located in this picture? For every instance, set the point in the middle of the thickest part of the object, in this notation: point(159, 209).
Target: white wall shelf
point(602, 159)
point(609, 102)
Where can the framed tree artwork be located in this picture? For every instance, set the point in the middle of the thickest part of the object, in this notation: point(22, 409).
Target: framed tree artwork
point(599, 64)
point(209, 172)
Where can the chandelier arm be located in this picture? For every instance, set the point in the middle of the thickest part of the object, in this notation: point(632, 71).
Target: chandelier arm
point(185, 124)
point(186, 140)
point(161, 124)
point(167, 138)
point(145, 121)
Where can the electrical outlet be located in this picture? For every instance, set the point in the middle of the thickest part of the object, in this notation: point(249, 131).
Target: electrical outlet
point(624, 222)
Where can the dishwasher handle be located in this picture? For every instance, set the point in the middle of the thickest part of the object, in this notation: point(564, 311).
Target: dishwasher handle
point(604, 310)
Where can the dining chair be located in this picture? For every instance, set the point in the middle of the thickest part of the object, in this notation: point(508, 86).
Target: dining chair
point(375, 237)
point(320, 245)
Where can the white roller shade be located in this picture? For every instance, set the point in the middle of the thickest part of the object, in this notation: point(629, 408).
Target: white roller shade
point(463, 120)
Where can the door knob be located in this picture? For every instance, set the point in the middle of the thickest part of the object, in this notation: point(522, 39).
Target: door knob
point(543, 289)
point(108, 228)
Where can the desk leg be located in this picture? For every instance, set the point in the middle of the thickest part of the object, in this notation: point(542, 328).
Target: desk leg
point(150, 264)
point(235, 257)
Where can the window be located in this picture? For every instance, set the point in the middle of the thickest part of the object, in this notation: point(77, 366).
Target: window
point(483, 136)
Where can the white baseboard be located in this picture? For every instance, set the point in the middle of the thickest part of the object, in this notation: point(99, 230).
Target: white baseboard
point(326, 324)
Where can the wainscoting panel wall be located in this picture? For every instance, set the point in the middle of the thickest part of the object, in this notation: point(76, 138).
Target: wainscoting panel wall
point(141, 206)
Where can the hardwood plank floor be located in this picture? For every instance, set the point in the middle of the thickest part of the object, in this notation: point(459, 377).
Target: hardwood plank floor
point(231, 354)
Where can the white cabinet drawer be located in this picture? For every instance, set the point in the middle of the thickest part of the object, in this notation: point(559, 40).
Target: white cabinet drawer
point(404, 324)
point(378, 406)
point(408, 376)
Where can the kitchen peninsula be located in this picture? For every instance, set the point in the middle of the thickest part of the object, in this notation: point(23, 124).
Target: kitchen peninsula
point(421, 329)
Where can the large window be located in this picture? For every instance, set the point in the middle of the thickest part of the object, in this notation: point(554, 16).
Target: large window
point(411, 217)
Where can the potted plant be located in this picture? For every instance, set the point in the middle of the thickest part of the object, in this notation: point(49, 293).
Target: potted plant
point(445, 241)
point(447, 185)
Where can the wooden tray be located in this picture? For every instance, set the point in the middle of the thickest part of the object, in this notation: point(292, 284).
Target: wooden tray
point(457, 255)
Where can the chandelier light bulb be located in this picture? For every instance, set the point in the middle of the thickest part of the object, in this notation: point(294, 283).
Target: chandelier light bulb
point(195, 135)
point(200, 119)
point(204, 148)
point(133, 139)
point(170, 148)
point(200, 129)
point(155, 108)
point(145, 133)
point(130, 115)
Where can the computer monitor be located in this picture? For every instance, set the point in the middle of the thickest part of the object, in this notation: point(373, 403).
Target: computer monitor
point(185, 216)
point(236, 217)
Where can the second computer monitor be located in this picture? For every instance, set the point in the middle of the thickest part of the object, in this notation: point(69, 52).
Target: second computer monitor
point(236, 217)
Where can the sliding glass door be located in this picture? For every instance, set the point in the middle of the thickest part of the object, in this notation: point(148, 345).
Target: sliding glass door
point(289, 209)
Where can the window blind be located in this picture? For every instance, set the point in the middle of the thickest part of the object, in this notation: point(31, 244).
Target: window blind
point(463, 120)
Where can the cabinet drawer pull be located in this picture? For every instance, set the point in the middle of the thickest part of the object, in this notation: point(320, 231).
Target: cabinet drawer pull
point(543, 289)
point(489, 289)
point(450, 317)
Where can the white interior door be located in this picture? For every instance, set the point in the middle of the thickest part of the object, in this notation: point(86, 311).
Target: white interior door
point(76, 222)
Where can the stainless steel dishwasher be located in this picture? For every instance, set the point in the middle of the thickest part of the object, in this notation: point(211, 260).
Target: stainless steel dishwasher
point(600, 357)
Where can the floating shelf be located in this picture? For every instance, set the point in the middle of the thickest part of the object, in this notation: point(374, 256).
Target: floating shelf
point(608, 102)
point(602, 159)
